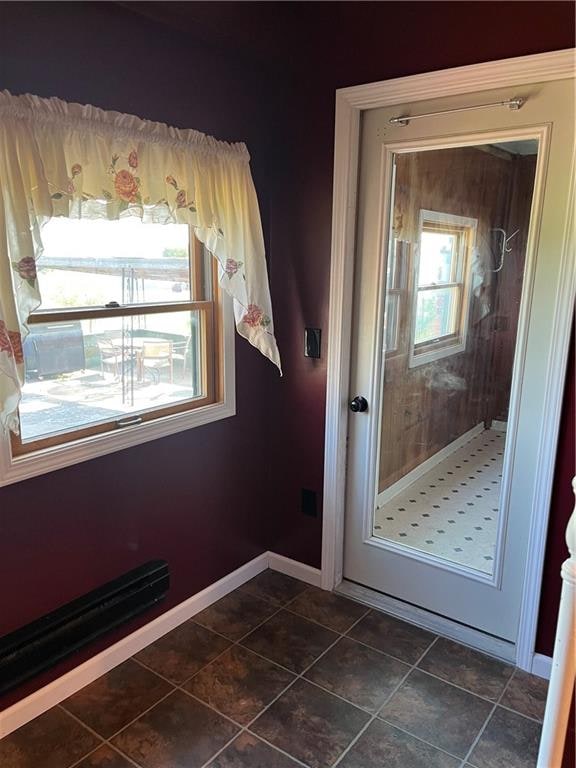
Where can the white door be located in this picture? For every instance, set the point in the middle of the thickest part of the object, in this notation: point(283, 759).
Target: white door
point(460, 221)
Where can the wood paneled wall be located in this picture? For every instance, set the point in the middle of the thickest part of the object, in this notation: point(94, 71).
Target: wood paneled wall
point(509, 284)
point(428, 406)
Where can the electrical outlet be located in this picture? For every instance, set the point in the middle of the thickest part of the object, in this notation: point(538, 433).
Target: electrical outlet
point(309, 504)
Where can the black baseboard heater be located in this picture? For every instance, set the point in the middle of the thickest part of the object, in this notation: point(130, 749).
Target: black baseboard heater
point(39, 645)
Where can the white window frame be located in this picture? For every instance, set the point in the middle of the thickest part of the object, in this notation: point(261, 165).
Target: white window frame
point(397, 291)
point(456, 343)
point(14, 469)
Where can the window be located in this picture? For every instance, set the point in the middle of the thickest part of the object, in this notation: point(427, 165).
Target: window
point(134, 338)
point(129, 332)
point(395, 312)
point(441, 286)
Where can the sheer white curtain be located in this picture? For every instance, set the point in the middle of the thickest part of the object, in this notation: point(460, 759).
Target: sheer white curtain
point(60, 159)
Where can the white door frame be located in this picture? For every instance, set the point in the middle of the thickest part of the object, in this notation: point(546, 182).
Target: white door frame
point(350, 102)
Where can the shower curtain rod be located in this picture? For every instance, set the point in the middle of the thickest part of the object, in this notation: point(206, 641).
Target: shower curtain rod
point(510, 103)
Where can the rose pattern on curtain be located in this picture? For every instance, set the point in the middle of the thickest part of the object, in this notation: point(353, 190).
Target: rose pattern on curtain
point(78, 161)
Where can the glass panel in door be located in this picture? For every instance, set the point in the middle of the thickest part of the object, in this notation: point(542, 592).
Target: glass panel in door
point(454, 277)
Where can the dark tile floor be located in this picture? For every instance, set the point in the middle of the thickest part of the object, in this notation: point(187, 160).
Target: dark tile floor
point(279, 675)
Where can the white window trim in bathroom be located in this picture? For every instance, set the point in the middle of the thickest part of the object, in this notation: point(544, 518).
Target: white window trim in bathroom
point(445, 346)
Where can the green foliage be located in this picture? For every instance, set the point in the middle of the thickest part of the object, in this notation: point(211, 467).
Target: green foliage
point(175, 253)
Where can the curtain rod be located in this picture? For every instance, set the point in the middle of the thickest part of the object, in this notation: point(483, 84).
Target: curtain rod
point(510, 103)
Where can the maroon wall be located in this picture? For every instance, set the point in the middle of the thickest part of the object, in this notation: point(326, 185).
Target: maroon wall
point(561, 508)
point(197, 499)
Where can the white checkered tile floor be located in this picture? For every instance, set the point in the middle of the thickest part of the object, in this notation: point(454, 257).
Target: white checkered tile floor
point(452, 510)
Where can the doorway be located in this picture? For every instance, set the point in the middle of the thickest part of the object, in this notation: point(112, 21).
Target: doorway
point(460, 318)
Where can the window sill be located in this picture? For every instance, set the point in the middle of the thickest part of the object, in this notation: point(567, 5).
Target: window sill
point(435, 354)
point(14, 469)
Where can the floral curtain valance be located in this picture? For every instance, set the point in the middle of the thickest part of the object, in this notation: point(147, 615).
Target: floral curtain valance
point(60, 159)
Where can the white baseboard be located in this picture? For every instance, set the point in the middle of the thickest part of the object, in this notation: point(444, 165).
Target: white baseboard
point(542, 665)
point(499, 426)
point(47, 697)
point(293, 568)
point(415, 474)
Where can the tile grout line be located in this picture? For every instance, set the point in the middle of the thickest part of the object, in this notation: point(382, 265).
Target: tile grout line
point(437, 677)
point(232, 643)
point(87, 755)
point(238, 641)
point(341, 635)
point(125, 756)
point(274, 603)
point(108, 740)
point(258, 738)
point(444, 680)
point(83, 724)
point(516, 712)
point(179, 686)
point(113, 748)
point(272, 661)
point(420, 739)
point(388, 698)
point(297, 676)
point(175, 686)
point(101, 740)
point(386, 653)
point(325, 626)
point(483, 728)
point(461, 688)
point(300, 676)
point(229, 640)
point(113, 735)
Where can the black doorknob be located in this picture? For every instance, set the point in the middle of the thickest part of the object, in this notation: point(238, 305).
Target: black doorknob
point(359, 404)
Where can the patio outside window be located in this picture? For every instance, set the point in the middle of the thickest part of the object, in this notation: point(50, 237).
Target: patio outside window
point(128, 330)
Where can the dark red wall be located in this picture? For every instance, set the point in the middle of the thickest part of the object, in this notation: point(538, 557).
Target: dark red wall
point(212, 498)
point(198, 499)
point(561, 508)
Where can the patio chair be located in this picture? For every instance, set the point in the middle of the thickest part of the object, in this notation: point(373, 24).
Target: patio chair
point(181, 352)
point(110, 358)
point(155, 357)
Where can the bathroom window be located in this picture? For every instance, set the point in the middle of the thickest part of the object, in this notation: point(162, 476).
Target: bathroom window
point(441, 286)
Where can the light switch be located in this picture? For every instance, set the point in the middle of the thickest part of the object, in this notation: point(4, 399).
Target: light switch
point(312, 339)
